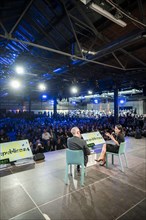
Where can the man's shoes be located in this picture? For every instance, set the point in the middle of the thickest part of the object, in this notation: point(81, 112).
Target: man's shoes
point(103, 163)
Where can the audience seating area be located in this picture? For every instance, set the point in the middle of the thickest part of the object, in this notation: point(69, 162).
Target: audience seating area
point(25, 125)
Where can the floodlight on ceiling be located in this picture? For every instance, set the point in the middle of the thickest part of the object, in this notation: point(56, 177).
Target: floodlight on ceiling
point(106, 14)
point(122, 100)
point(96, 101)
point(74, 90)
point(42, 87)
point(44, 96)
point(15, 84)
point(20, 70)
point(88, 52)
point(90, 92)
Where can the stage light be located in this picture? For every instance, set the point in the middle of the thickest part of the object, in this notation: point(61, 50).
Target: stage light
point(19, 70)
point(44, 96)
point(122, 101)
point(74, 90)
point(96, 101)
point(90, 92)
point(42, 87)
point(52, 102)
point(15, 84)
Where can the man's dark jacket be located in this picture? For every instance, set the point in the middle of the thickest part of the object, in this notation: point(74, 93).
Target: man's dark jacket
point(76, 143)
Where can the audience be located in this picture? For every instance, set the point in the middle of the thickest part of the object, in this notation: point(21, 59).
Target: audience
point(54, 131)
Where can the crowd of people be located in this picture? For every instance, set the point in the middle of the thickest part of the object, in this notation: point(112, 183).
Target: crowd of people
point(46, 132)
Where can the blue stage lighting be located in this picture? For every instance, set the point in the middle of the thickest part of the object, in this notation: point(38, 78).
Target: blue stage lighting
point(57, 70)
point(44, 96)
point(52, 102)
point(122, 101)
point(96, 101)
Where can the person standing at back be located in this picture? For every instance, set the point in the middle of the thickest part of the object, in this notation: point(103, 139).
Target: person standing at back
point(46, 139)
point(76, 143)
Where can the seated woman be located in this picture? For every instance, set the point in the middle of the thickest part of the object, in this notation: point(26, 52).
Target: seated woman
point(119, 138)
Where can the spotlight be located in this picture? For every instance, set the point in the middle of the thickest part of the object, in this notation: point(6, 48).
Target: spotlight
point(74, 90)
point(19, 70)
point(52, 102)
point(122, 101)
point(90, 92)
point(42, 87)
point(44, 96)
point(15, 84)
point(95, 101)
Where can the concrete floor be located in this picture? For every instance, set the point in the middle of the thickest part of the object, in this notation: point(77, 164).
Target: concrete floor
point(38, 191)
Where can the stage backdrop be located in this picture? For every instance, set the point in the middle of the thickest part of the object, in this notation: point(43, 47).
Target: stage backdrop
point(93, 138)
point(15, 150)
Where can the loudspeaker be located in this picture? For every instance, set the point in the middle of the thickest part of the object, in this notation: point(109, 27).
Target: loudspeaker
point(39, 156)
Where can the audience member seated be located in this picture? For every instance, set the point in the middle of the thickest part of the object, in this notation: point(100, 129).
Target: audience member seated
point(39, 148)
point(3, 136)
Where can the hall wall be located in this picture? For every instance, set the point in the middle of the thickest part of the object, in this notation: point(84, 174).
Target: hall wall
point(140, 106)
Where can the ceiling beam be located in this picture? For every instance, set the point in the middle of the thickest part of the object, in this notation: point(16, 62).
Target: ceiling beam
point(141, 10)
point(118, 60)
point(4, 29)
point(59, 52)
point(21, 16)
point(133, 57)
point(74, 32)
point(52, 26)
point(116, 45)
point(39, 29)
point(81, 22)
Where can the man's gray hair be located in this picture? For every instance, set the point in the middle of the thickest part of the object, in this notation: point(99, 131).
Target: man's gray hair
point(74, 130)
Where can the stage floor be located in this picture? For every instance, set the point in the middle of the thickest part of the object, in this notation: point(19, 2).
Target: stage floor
point(37, 192)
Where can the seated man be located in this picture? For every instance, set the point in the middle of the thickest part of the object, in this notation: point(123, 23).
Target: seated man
point(76, 143)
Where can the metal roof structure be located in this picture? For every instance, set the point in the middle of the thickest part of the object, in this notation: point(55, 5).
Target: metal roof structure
point(67, 42)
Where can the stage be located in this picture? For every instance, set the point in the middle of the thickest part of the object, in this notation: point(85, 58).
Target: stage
point(37, 191)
